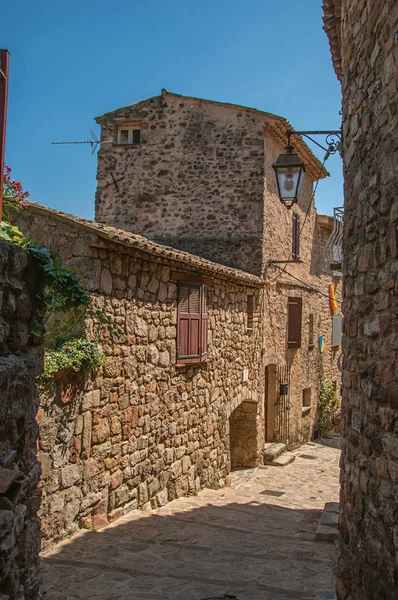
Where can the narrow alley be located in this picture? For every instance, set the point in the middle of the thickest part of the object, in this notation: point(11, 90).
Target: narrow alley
point(254, 541)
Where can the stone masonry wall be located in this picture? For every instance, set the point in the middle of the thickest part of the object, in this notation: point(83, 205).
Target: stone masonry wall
point(194, 182)
point(143, 431)
point(368, 567)
point(20, 363)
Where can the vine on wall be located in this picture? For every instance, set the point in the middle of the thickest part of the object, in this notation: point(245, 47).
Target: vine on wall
point(62, 302)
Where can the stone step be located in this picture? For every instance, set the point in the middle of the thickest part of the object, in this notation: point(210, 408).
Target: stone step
point(284, 459)
point(272, 451)
point(328, 528)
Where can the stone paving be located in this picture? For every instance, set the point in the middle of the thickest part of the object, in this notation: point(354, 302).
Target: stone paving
point(253, 541)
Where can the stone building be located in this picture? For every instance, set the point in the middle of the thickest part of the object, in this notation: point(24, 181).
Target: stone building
point(164, 418)
point(197, 175)
point(364, 44)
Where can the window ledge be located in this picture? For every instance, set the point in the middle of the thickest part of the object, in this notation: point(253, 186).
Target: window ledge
point(191, 363)
point(305, 410)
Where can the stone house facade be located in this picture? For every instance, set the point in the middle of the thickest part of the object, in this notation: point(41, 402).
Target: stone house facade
point(198, 176)
point(364, 44)
point(151, 426)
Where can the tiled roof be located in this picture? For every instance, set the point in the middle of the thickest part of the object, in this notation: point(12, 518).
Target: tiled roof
point(332, 26)
point(138, 242)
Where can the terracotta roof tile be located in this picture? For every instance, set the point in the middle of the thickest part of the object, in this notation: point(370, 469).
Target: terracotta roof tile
point(143, 244)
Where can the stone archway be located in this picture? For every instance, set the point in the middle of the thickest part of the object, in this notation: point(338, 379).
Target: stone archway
point(243, 435)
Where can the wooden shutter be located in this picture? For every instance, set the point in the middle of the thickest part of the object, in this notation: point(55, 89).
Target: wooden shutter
point(192, 322)
point(203, 349)
point(250, 311)
point(294, 316)
point(311, 329)
point(136, 136)
point(295, 236)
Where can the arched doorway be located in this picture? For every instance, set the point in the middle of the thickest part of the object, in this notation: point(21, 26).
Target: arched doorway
point(243, 435)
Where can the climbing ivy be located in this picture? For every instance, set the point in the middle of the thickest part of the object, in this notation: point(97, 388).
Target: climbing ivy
point(60, 298)
point(62, 306)
point(328, 405)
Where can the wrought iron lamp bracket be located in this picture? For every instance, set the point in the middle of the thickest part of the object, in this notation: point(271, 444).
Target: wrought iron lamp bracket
point(333, 139)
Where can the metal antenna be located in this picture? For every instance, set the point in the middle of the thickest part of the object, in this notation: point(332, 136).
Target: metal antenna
point(94, 143)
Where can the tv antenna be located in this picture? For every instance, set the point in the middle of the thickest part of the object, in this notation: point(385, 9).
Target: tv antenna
point(94, 143)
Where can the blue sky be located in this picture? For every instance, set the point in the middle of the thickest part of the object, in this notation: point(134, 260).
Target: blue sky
point(72, 61)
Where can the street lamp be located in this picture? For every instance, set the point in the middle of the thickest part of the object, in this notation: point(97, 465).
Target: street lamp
point(289, 169)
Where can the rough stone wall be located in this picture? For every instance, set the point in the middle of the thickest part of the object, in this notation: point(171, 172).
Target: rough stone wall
point(369, 535)
point(20, 363)
point(194, 182)
point(144, 431)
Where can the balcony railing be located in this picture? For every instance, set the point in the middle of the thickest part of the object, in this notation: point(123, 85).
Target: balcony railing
point(334, 245)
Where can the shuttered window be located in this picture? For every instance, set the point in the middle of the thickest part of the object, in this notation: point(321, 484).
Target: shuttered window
point(294, 317)
point(192, 323)
point(250, 312)
point(295, 236)
point(311, 330)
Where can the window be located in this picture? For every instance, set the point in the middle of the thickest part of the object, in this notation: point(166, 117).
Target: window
point(129, 134)
point(311, 330)
point(250, 312)
point(307, 398)
point(294, 315)
point(191, 323)
point(295, 236)
point(306, 402)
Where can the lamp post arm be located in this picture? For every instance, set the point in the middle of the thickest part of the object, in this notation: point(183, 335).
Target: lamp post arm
point(332, 145)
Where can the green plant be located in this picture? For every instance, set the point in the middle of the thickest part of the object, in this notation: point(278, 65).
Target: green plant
point(76, 354)
point(63, 304)
point(328, 405)
point(61, 299)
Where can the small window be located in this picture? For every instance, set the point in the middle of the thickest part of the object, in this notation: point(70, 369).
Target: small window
point(294, 317)
point(129, 134)
point(311, 330)
point(295, 236)
point(306, 402)
point(250, 312)
point(192, 323)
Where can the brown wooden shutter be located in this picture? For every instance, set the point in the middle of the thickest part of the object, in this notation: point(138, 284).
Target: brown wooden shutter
point(295, 236)
point(192, 322)
point(250, 311)
point(204, 322)
point(311, 329)
point(294, 316)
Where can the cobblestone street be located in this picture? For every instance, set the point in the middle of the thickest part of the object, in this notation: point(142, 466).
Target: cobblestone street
point(254, 540)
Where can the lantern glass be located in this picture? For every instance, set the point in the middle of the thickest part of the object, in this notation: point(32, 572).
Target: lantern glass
point(289, 172)
point(290, 180)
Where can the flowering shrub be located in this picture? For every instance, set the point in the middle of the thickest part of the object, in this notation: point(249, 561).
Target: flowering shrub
point(13, 193)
